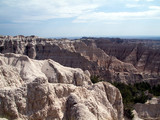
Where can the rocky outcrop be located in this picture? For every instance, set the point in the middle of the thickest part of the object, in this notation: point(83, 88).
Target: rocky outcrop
point(77, 54)
point(114, 59)
point(9, 77)
point(42, 100)
point(143, 54)
point(46, 90)
point(25, 68)
point(150, 110)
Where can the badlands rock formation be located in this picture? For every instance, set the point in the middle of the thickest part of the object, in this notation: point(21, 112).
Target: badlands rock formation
point(30, 69)
point(126, 61)
point(73, 53)
point(45, 90)
point(150, 110)
point(143, 54)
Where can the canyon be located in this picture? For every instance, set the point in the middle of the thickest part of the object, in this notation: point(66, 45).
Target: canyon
point(50, 79)
point(113, 59)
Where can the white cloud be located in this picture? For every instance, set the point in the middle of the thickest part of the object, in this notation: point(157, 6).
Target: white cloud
point(144, 0)
point(154, 7)
point(80, 10)
point(31, 10)
point(133, 5)
point(150, 0)
point(116, 16)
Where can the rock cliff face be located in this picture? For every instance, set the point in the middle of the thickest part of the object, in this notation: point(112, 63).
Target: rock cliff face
point(45, 90)
point(77, 54)
point(150, 110)
point(27, 70)
point(126, 61)
point(143, 54)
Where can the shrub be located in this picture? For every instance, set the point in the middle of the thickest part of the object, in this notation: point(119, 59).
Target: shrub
point(155, 90)
point(128, 113)
point(95, 79)
point(132, 94)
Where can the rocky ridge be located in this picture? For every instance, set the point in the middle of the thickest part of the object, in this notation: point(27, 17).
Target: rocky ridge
point(73, 53)
point(143, 54)
point(45, 90)
point(127, 61)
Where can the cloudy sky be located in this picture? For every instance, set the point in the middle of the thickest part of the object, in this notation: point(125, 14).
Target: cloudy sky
point(74, 18)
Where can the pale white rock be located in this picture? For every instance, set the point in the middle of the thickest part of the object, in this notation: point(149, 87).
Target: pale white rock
point(41, 100)
point(29, 69)
point(135, 115)
point(3, 119)
point(154, 100)
point(46, 90)
point(9, 77)
point(82, 54)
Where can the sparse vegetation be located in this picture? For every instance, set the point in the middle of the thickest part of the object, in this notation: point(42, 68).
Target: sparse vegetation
point(133, 93)
point(95, 79)
point(136, 93)
point(155, 90)
point(128, 113)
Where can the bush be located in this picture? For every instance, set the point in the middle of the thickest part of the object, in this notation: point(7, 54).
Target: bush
point(132, 94)
point(141, 99)
point(155, 90)
point(128, 113)
point(142, 86)
point(95, 79)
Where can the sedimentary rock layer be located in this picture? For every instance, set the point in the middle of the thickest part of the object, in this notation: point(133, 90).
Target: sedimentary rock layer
point(45, 90)
point(126, 61)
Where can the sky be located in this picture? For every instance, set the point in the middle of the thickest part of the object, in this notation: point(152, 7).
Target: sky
point(77, 18)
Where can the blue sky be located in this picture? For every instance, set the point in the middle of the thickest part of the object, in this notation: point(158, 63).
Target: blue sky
point(74, 18)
